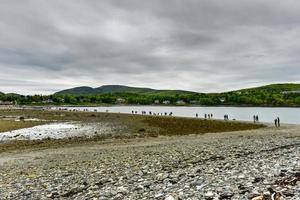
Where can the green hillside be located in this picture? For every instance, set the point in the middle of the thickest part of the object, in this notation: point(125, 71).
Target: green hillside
point(12, 94)
point(274, 88)
point(114, 89)
point(269, 95)
point(77, 91)
point(107, 89)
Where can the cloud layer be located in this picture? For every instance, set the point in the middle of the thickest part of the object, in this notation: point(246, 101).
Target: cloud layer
point(201, 45)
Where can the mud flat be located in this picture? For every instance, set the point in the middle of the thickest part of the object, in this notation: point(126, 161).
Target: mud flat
point(60, 128)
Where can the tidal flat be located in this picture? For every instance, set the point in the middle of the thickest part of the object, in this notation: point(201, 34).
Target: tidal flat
point(94, 126)
point(146, 157)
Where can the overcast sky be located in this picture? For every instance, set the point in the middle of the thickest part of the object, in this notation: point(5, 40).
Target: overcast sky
point(200, 45)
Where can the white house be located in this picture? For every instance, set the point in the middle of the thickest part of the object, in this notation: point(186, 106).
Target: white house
point(120, 100)
point(48, 101)
point(166, 102)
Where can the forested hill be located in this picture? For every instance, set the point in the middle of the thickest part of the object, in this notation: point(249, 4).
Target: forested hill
point(269, 95)
point(112, 89)
point(274, 88)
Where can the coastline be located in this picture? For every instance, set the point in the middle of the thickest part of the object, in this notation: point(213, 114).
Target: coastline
point(161, 105)
point(97, 126)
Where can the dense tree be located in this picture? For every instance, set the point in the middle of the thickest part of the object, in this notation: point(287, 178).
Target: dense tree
point(264, 96)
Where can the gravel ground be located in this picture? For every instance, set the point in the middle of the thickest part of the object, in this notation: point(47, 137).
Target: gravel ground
point(232, 165)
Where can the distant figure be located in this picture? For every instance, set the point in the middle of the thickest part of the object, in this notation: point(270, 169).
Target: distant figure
point(150, 113)
point(197, 115)
point(226, 117)
point(278, 121)
point(255, 118)
point(205, 116)
point(211, 115)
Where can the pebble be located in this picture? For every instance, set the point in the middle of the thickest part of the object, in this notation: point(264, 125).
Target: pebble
point(210, 166)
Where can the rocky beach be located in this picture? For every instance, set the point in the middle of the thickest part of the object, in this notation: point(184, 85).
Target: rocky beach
point(150, 100)
point(226, 165)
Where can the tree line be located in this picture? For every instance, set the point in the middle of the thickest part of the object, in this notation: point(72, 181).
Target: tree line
point(247, 98)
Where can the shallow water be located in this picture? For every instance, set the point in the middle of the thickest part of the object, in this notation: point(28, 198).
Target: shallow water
point(266, 114)
point(55, 130)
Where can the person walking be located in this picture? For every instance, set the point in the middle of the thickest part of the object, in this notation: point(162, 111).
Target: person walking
point(196, 115)
point(278, 121)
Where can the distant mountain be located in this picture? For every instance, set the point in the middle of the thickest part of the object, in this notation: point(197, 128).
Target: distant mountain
point(275, 88)
point(121, 88)
point(111, 89)
point(1, 93)
point(77, 91)
point(287, 94)
point(13, 94)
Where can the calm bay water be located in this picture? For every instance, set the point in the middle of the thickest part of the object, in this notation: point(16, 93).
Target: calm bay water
point(266, 114)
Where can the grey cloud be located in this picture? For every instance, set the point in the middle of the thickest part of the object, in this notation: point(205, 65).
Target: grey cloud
point(206, 45)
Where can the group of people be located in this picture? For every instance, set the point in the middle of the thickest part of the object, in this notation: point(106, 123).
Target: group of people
point(153, 113)
point(255, 118)
point(135, 112)
point(277, 122)
point(226, 117)
point(208, 116)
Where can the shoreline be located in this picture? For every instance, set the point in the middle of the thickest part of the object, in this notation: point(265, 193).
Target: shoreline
point(97, 126)
point(162, 105)
point(241, 118)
